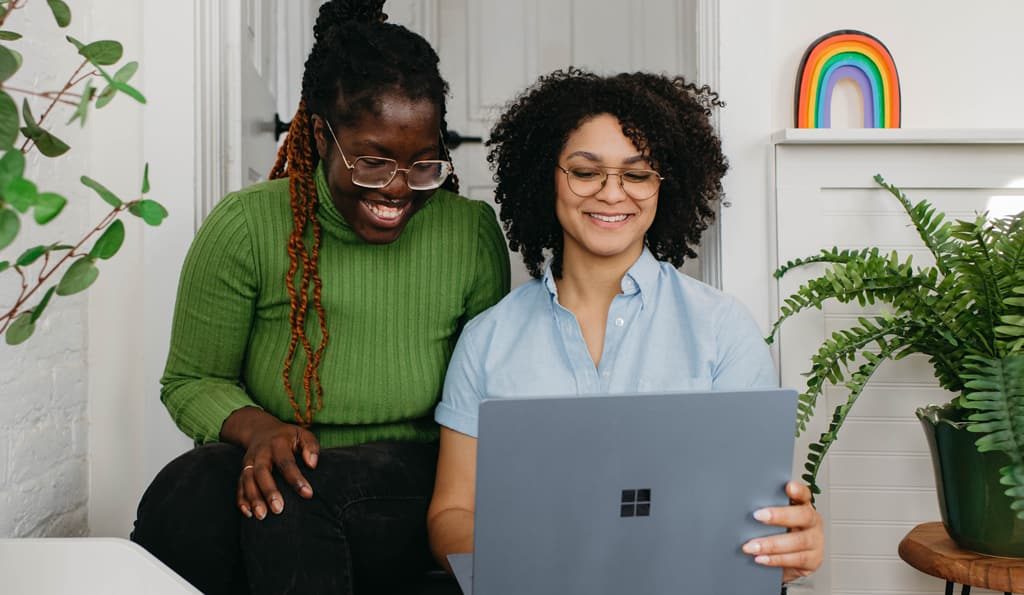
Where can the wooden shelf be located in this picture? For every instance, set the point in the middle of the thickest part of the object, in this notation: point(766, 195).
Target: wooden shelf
point(906, 136)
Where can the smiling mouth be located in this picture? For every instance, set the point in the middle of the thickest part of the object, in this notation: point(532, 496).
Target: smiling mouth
point(609, 218)
point(384, 212)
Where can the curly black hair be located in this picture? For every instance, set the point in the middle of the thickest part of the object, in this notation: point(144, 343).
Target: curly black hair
point(666, 118)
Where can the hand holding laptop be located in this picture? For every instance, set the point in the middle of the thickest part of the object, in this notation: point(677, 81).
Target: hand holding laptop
point(798, 552)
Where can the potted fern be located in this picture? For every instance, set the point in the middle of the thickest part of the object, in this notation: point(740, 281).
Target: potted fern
point(966, 314)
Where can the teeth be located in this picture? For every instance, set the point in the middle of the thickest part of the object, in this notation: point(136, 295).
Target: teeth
point(608, 219)
point(384, 212)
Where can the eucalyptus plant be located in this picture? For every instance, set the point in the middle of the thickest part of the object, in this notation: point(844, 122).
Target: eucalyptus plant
point(965, 313)
point(37, 267)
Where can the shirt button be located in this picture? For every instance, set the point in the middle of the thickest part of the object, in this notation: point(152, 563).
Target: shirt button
point(619, 322)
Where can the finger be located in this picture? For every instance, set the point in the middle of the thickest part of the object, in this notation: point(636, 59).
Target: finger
point(252, 494)
point(240, 499)
point(801, 562)
point(795, 516)
point(798, 493)
point(290, 471)
point(309, 446)
point(264, 478)
point(783, 543)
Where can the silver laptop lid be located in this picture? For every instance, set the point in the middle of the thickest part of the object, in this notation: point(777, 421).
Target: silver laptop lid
point(638, 494)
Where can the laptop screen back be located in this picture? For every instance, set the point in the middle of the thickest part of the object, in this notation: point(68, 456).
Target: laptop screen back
point(639, 494)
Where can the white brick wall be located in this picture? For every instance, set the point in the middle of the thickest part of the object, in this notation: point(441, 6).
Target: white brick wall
point(44, 477)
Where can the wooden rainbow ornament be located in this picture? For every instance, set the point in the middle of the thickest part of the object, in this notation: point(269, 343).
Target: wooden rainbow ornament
point(848, 55)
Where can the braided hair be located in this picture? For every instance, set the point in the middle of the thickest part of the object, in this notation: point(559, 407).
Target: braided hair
point(356, 57)
point(667, 119)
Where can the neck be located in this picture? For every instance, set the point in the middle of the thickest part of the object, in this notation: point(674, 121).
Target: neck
point(589, 278)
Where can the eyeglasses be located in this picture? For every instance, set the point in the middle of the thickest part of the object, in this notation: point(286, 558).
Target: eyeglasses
point(377, 172)
point(638, 184)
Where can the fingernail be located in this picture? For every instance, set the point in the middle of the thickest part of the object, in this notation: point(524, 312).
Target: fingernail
point(276, 505)
point(752, 547)
point(305, 489)
point(260, 512)
point(247, 512)
point(764, 515)
point(312, 460)
point(761, 559)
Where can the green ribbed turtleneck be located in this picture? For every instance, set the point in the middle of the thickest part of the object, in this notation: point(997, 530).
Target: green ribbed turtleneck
point(393, 312)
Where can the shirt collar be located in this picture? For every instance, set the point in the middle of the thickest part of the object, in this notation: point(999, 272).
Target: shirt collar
point(641, 278)
point(330, 217)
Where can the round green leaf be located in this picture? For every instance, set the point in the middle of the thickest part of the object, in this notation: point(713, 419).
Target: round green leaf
point(110, 242)
point(38, 310)
point(129, 91)
point(61, 12)
point(8, 121)
point(104, 52)
point(4, 265)
point(75, 42)
point(150, 211)
point(31, 255)
point(30, 121)
point(50, 145)
point(79, 276)
point(108, 196)
point(21, 194)
point(8, 63)
point(48, 206)
point(9, 36)
point(21, 329)
point(12, 166)
point(82, 110)
point(145, 179)
point(9, 226)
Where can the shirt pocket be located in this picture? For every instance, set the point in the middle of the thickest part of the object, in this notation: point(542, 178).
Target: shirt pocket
point(667, 381)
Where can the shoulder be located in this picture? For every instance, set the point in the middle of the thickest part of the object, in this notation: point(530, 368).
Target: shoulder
point(265, 199)
point(471, 209)
point(699, 296)
point(522, 304)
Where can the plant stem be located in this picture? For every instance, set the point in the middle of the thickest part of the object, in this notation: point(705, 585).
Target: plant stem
point(7, 318)
point(7, 11)
point(45, 95)
point(25, 148)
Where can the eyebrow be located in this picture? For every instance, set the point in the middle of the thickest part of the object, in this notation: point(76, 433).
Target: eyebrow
point(592, 157)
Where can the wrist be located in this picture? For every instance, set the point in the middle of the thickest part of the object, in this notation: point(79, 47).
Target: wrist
point(244, 423)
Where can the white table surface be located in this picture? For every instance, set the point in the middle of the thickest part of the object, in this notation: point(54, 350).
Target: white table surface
point(84, 565)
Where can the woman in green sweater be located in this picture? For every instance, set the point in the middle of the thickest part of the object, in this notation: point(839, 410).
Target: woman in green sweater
point(315, 317)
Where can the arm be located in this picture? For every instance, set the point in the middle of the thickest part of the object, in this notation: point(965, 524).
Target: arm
point(450, 517)
point(202, 386)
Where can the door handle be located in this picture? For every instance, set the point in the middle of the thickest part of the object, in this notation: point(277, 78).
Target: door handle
point(455, 139)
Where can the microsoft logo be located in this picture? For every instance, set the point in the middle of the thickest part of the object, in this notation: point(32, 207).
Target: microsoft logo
point(636, 503)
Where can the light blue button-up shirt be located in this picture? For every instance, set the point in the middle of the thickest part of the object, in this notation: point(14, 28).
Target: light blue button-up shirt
point(665, 332)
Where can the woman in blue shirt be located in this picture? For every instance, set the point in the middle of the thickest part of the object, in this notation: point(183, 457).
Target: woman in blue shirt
point(605, 183)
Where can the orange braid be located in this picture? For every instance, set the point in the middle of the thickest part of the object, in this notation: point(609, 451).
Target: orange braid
point(295, 159)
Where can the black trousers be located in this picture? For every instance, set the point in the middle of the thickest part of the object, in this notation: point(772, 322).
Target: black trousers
point(364, 530)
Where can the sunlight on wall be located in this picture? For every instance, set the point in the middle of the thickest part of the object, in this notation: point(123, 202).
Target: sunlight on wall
point(1006, 205)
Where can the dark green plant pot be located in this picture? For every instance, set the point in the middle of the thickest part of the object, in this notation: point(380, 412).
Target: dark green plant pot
point(974, 508)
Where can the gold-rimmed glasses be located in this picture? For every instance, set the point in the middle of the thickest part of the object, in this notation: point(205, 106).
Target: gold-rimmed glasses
point(638, 184)
point(377, 172)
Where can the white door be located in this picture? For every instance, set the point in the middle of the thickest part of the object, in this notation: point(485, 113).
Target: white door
point(493, 49)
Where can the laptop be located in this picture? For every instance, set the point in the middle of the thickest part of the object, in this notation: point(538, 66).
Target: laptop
point(646, 494)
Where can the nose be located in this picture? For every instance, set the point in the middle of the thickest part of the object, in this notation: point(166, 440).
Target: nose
point(612, 191)
point(398, 189)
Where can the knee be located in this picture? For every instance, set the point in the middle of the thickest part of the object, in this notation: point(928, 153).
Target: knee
point(199, 483)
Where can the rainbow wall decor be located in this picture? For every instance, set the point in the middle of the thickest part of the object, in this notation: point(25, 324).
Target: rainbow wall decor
point(848, 55)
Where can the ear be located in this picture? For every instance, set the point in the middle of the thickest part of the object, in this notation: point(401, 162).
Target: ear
point(320, 136)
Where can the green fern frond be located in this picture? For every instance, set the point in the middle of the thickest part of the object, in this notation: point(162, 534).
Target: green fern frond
point(858, 380)
point(839, 351)
point(995, 392)
point(934, 232)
